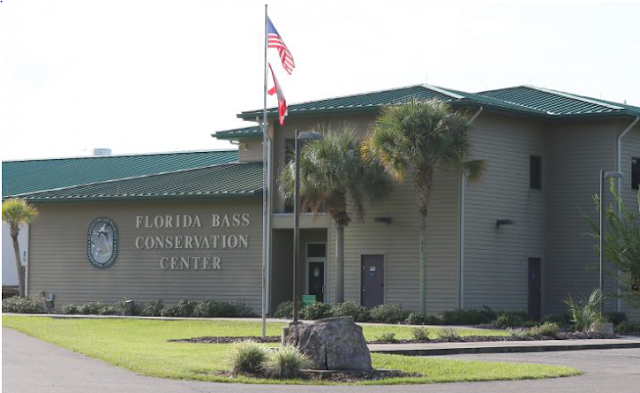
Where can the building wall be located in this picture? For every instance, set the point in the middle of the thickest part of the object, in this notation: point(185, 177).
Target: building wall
point(59, 264)
point(250, 149)
point(9, 271)
point(577, 153)
point(496, 259)
point(630, 148)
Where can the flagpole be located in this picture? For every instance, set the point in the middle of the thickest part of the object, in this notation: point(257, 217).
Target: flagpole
point(265, 185)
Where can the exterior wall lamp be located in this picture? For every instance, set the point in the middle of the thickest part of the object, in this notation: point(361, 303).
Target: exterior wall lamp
point(384, 220)
point(499, 223)
point(300, 136)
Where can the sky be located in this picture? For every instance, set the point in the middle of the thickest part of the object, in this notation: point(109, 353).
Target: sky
point(140, 76)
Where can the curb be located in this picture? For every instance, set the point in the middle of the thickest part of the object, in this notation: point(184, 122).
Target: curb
point(503, 349)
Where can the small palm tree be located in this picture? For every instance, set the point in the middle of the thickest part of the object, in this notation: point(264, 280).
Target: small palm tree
point(424, 137)
point(333, 172)
point(16, 213)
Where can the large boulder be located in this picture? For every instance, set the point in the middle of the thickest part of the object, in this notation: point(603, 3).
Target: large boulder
point(331, 343)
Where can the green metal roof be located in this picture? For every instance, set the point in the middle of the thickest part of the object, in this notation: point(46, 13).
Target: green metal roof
point(526, 100)
point(218, 181)
point(246, 132)
point(558, 104)
point(20, 177)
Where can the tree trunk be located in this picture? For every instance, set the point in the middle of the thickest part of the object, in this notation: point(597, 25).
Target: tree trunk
point(339, 263)
point(423, 264)
point(16, 250)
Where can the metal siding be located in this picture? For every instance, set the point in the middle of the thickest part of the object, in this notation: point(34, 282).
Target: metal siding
point(59, 265)
point(496, 259)
point(250, 149)
point(577, 152)
point(630, 148)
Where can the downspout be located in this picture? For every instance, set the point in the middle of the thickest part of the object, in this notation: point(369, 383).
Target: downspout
point(622, 135)
point(461, 209)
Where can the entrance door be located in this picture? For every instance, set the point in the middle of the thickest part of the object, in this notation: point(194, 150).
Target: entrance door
point(535, 288)
point(372, 279)
point(315, 280)
point(316, 270)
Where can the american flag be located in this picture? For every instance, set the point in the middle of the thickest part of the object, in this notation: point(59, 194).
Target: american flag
point(282, 102)
point(274, 40)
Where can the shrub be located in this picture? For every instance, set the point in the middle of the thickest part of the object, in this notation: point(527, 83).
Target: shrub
point(421, 334)
point(468, 317)
point(388, 313)
point(510, 319)
point(214, 308)
point(448, 335)
point(351, 309)
point(108, 310)
point(153, 309)
point(546, 329)
point(616, 318)
point(389, 337)
point(627, 327)
point(316, 310)
point(23, 305)
point(285, 362)
point(241, 309)
point(91, 308)
point(284, 310)
point(183, 308)
point(122, 309)
point(415, 318)
point(585, 312)
point(246, 357)
point(70, 309)
point(519, 332)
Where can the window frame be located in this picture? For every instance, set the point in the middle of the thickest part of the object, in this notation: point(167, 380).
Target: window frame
point(635, 173)
point(535, 172)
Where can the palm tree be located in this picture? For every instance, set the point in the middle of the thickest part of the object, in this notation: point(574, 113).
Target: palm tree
point(423, 137)
point(16, 213)
point(333, 172)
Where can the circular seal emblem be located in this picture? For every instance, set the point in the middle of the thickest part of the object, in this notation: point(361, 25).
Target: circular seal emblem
point(102, 242)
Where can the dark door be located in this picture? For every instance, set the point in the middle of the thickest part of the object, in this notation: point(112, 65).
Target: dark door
point(316, 280)
point(535, 288)
point(372, 280)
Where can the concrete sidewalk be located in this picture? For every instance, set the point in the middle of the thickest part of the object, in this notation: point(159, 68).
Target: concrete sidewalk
point(504, 346)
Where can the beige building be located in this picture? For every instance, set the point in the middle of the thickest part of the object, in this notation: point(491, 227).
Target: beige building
point(515, 241)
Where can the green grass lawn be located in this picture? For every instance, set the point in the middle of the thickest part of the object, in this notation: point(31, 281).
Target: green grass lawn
point(141, 346)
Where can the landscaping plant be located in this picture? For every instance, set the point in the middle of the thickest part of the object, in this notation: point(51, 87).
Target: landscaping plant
point(420, 138)
point(388, 313)
point(314, 311)
point(388, 337)
point(351, 309)
point(449, 334)
point(24, 305)
point(285, 362)
point(153, 309)
point(421, 334)
point(585, 312)
point(17, 213)
point(246, 357)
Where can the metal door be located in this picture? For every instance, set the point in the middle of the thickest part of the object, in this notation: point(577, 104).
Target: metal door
point(372, 279)
point(315, 280)
point(535, 288)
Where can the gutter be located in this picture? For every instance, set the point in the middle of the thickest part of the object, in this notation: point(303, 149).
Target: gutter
point(461, 209)
point(619, 169)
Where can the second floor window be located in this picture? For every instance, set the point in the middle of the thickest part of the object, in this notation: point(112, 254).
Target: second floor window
point(535, 172)
point(635, 173)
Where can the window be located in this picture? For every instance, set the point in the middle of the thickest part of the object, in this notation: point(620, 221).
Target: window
point(535, 172)
point(635, 172)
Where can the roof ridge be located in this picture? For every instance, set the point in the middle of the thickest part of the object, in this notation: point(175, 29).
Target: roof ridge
point(124, 155)
point(443, 91)
point(574, 97)
point(127, 178)
point(336, 97)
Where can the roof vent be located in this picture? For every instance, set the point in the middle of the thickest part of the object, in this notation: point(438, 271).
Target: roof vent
point(101, 152)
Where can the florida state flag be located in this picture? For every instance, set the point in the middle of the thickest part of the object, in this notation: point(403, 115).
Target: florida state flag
point(282, 102)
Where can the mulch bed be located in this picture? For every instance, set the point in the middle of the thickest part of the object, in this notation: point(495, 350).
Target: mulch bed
point(467, 339)
point(225, 340)
point(335, 376)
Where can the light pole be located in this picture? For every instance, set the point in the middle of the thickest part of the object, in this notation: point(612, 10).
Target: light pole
point(300, 136)
point(603, 176)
